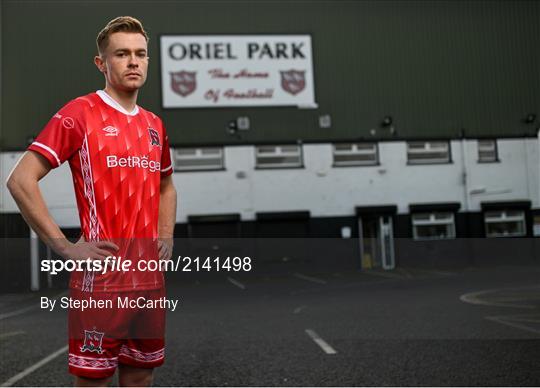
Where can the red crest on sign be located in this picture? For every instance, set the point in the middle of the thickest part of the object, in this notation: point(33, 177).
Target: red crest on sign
point(293, 81)
point(183, 82)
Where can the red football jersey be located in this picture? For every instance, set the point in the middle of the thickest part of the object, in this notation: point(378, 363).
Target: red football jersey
point(117, 159)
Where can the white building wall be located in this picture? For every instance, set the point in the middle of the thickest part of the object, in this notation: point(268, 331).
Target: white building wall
point(56, 187)
point(327, 191)
point(515, 177)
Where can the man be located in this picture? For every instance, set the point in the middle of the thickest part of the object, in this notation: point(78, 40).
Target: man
point(120, 161)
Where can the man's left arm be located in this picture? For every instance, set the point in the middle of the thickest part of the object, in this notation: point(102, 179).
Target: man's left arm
point(167, 217)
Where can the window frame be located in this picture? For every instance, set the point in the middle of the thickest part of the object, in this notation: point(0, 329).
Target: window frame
point(505, 219)
point(198, 155)
point(280, 153)
point(355, 151)
point(495, 150)
point(424, 162)
point(433, 222)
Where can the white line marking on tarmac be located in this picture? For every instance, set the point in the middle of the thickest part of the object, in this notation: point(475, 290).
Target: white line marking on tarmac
point(384, 274)
point(319, 341)
point(11, 334)
point(526, 320)
point(309, 278)
point(501, 319)
point(27, 308)
point(298, 309)
point(17, 312)
point(34, 367)
point(445, 273)
point(474, 298)
point(236, 283)
point(515, 298)
point(435, 272)
point(523, 318)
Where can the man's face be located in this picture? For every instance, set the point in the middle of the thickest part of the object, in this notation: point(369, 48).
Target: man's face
point(125, 61)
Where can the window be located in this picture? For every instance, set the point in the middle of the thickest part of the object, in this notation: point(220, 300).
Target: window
point(433, 226)
point(487, 151)
point(356, 154)
point(189, 159)
point(431, 152)
point(278, 156)
point(536, 226)
point(505, 223)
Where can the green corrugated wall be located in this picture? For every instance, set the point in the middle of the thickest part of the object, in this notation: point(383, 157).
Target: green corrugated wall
point(436, 67)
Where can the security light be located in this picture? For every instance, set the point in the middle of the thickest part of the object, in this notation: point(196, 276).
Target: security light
point(531, 117)
point(387, 120)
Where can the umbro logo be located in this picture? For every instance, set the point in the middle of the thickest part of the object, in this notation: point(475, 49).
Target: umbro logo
point(110, 131)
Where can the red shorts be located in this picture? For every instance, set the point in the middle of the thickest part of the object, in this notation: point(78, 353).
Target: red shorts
point(107, 328)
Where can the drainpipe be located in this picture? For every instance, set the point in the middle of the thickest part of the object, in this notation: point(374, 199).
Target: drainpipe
point(34, 261)
point(538, 171)
point(466, 203)
point(528, 175)
point(464, 172)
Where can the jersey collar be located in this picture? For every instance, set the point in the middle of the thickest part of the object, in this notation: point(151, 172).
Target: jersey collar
point(111, 102)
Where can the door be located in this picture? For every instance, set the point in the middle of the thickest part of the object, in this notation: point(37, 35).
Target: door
point(376, 239)
point(386, 230)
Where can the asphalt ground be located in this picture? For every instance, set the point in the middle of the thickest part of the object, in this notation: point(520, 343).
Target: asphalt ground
point(406, 327)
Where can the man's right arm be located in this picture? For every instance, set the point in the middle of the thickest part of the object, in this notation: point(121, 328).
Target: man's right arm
point(23, 184)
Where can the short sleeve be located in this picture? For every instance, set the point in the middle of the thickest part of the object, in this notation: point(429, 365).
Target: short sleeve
point(166, 164)
point(62, 136)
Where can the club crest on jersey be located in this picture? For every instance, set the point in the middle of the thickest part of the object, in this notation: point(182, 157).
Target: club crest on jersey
point(154, 137)
point(110, 131)
point(92, 341)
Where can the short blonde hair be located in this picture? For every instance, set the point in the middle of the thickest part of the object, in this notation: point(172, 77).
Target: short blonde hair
point(119, 24)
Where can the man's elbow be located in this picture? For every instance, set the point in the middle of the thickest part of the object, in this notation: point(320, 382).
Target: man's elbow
point(26, 174)
point(168, 189)
point(172, 191)
point(13, 185)
point(17, 184)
